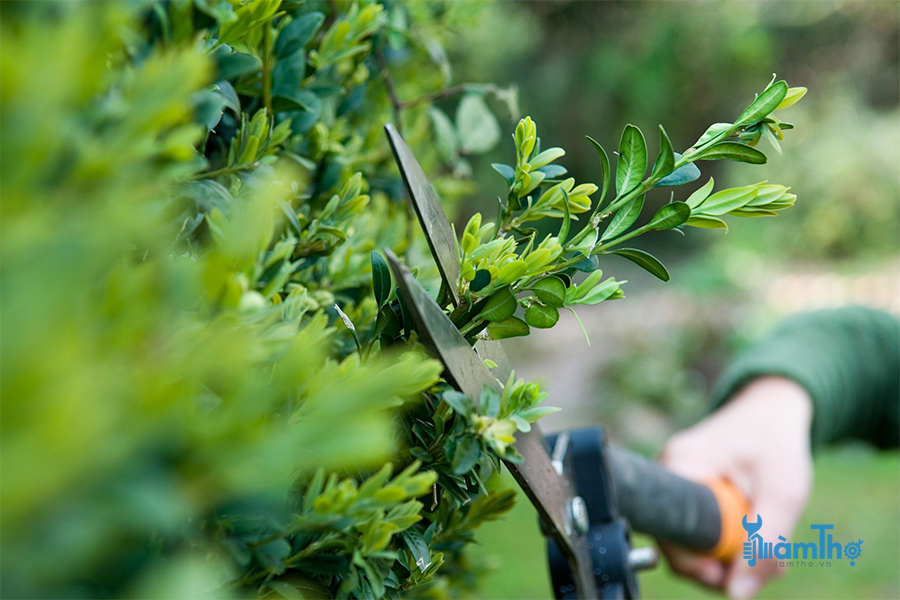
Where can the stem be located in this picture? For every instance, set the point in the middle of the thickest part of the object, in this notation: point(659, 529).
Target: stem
point(267, 71)
point(226, 170)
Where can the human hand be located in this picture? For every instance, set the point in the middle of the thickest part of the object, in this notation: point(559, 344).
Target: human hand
point(760, 442)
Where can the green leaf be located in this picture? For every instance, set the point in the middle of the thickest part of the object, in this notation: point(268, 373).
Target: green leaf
point(792, 97)
point(271, 556)
point(728, 200)
point(285, 590)
point(481, 280)
point(445, 139)
point(500, 306)
point(624, 219)
point(701, 194)
point(417, 546)
point(508, 173)
point(599, 292)
point(764, 104)
point(632, 162)
point(489, 401)
point(533, 414)
point(704, 222)
point(684, 174)
point(234, 64)
point(511, 327)
point(283, 102)
point(477, 126)
point(645, 260)
point(714, 130)
point(550, 290)
point(297, 33)
point(665, 161)
point(381, 279)
point(604, 169)
point(670, 216)
point(458, 402)
point(735, 151)
point(567, 219)
point(540, 316)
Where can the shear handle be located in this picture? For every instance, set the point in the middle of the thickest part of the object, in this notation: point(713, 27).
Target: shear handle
point(701, 516)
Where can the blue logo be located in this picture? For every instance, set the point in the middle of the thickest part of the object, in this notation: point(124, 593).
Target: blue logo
point(800, 553)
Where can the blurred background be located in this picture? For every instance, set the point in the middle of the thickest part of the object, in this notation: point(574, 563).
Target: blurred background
point(588, 68)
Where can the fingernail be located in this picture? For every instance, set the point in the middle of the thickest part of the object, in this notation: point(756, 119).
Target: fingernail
point(743, 587)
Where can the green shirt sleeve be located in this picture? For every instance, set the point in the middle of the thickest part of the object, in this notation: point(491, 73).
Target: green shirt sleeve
point(847, 359)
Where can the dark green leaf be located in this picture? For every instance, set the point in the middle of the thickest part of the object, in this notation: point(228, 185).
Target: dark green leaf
point(552, 172)
point(511, 327)
point(508, 173)
point(500, 306)
point(489, 401)
point(297, 33)
point(632, 162)
point(468, 451)
point(234, 64)
point(287, 75)
point(287, 103)
point(550, 290)
point(604, 169)
point(670, 216)
point(665, 161)
point(540, 316)
point(417, 546)
point(271, 556)
point(381, 279)
point(458, 402)
point(624, 219)
point(645, 260)
point(735, 151)
point(567, 219)
point(481, 280)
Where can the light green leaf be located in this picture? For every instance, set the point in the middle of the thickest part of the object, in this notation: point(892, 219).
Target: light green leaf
point(728, 200)
point(444, 135)
point(792, 97)
point(705, 222)
point(476, 125)
point(695, 199)
point(533, 414)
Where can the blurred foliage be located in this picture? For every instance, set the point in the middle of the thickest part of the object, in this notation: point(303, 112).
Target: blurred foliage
point(190, 191)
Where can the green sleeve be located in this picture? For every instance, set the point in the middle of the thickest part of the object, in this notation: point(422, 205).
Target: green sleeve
point(847, 359)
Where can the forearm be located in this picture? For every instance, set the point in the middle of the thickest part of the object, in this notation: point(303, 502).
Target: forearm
point(848, 360)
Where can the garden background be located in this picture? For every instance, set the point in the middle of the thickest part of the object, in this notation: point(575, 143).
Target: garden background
point(595, 66)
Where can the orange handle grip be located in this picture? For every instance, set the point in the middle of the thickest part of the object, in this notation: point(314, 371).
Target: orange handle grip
point(733, 505)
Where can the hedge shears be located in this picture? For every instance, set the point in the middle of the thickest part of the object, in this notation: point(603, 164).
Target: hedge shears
point(589, 495)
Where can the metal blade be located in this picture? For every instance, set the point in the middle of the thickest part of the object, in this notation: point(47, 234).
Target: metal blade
point(549, 491)
point(429, 211)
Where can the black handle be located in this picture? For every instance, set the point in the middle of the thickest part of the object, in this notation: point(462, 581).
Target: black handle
point(658, 502)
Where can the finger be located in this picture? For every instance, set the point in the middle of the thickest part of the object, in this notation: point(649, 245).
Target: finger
point(779, 512)
point(704, 569)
